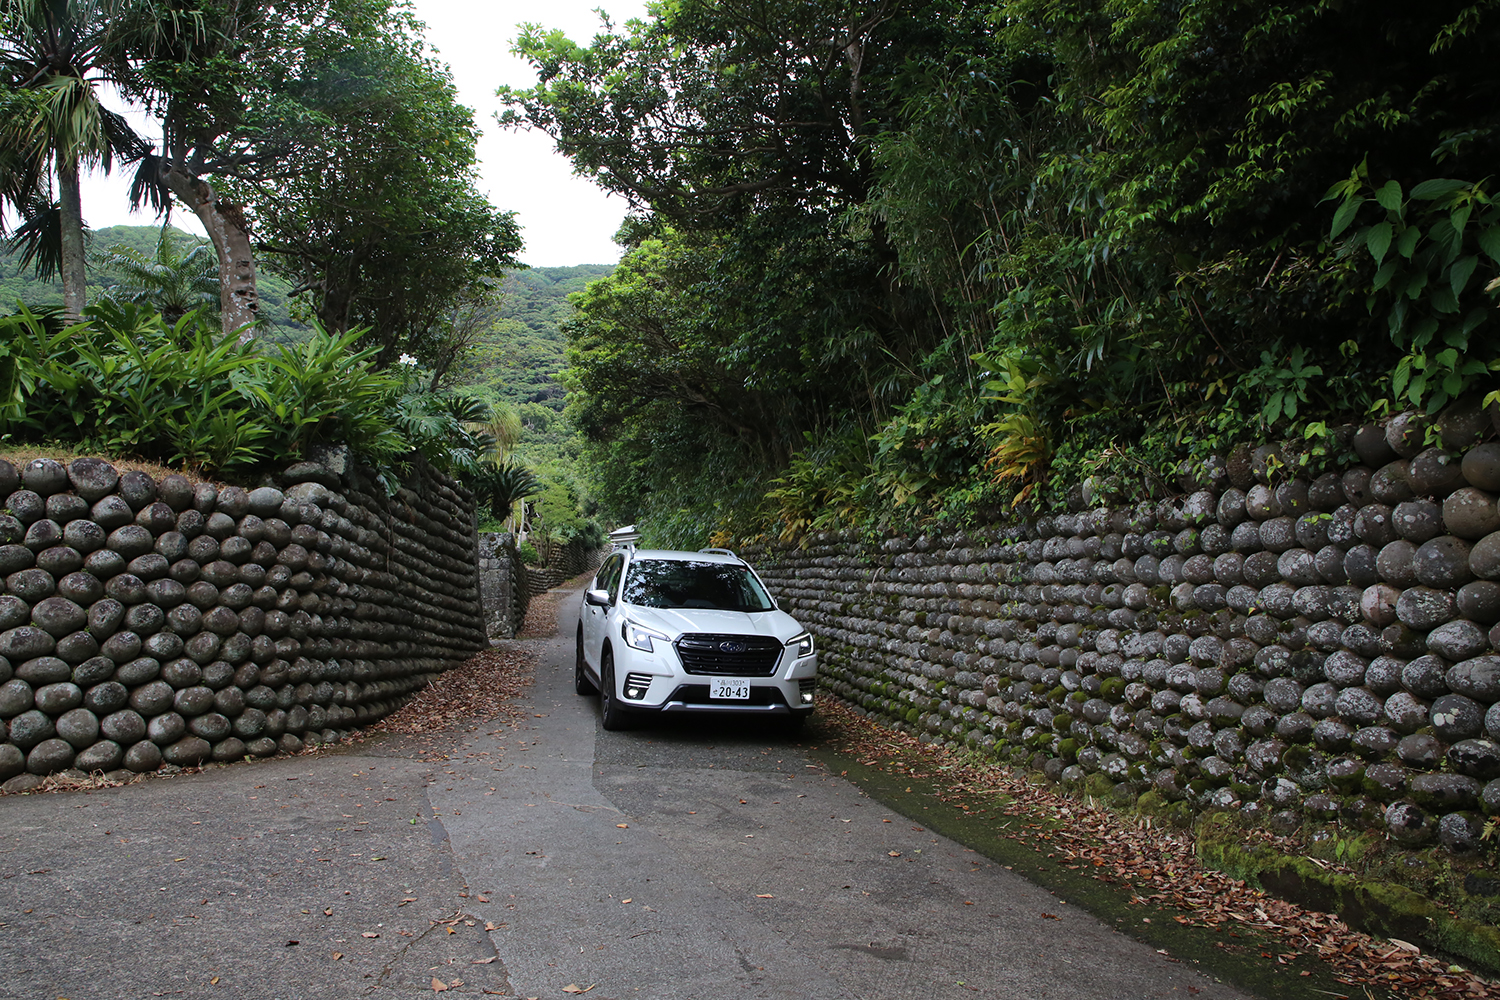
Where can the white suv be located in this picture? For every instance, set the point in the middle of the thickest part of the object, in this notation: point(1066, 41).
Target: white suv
point(667, 631)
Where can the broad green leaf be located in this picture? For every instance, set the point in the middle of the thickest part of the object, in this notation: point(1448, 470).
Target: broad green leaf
point(1407, 241)
point(1378, 239)
point(1436, 188)
point(1345, 215)
point(1489, 242)
point(1389, 196)
point(1459, 273)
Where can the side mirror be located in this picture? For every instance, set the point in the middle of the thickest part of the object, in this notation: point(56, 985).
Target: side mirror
point(597, 598)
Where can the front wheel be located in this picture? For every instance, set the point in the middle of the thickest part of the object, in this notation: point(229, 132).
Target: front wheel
point(612, 715)
point(581, 682)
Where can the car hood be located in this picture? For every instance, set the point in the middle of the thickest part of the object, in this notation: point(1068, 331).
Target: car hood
point(675, 621)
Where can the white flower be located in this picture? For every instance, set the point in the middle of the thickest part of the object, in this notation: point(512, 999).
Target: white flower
point(408, 360)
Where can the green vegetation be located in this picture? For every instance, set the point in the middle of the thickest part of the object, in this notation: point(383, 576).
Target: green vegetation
point(517, 367)
point(190, 395)
point(18, 283)
point(903, 264)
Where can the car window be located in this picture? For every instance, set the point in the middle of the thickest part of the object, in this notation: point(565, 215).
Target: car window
point(609, 574)
point(672, 583)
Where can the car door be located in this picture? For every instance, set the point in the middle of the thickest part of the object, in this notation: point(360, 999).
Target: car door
point(595, 619)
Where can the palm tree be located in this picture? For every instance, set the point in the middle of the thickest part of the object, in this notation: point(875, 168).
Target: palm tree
point(173, 283)
point(54, 55)
point(504, 484)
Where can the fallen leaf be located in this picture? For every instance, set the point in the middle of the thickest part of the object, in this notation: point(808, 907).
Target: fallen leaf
point(490, 925)
point(625, 900)
point(292, 942)
point(214, 981)
point(1046, 916)
point(894, 854)
point(378, 857)
point(438, 986)
point(327, 911)
point(622, 826)
point(450, 930)
point(764, 895)
point(337, 955)
point(371, 934)
point(485, 961)
point(575, 988)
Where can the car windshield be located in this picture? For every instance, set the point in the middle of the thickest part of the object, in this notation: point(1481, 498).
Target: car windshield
point(671, 583)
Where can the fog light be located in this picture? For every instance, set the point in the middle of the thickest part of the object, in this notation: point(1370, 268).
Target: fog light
point(807, 697)
point(636, 685)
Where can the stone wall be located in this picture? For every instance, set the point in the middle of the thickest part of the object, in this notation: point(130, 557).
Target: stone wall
point(567, 562)
point(1295, 650)
point(504, 586)
point(147, 622)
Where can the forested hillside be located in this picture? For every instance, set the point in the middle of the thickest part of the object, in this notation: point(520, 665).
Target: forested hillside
point(517, 366)
point(18, 283)
point(899, 264)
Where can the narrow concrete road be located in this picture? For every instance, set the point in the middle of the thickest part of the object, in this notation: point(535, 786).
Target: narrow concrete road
point(695, 860)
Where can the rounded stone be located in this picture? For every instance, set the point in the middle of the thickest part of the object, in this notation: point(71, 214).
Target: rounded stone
point(16, 696)
point(166, 728)
point(1371, 446)
point(44, 476)
point(1484, 557)
point(130, 541)
point(1361, 565)
point(1477, 678)
point(176, 492)
point(127, 588)
point(1479, 600)
point(1458, 640)
point(193, 700)
point(80, 588)
point(1374, 524)
point(30, 728)
point(211, 726)
point(230, 749)
point(1477, 758)
point(1455, 717)
point(1356, 484)
point(1261, 569)
point(1470, 513)
point(1425, 608)
point(1421, 750)
point(92, 478)
point(1461, 832)
point(78, 726)
point(1481, 466)
point(138, 671)
point(143, 757)
point(1378, 604)
point(1444, 562)
point(84, 536)
point(26, 507)
point(43, 534)
point(1406, 433)
point(105, 755)
point(58, 697)
point(152, 698)
point(1442, 792)
point(189, 751)
point(137, 489)
point(1418, 520)
point(1389, 484)
point(31, 585)
point(1278, 534)
point(58, 616)
point(1435, 472)
point(1425, 677)
point(50, 755)
point(125, 726)
point(111, 512)
point(104, 564)
point(1406, 712)
point(145, 619)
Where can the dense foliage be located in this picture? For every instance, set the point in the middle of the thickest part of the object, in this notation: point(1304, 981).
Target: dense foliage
point(895, 262)
point(125, 383)
point(19, 283)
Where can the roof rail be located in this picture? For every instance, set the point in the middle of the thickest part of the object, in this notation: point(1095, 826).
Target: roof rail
point(625, 538)
point(719, 552)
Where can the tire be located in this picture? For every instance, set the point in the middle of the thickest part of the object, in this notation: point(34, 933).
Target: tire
point(612, 715)
point(581, 682)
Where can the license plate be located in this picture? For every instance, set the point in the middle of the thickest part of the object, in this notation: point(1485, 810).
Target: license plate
point(729, 688)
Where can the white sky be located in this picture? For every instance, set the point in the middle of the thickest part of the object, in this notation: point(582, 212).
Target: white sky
point(565, 219)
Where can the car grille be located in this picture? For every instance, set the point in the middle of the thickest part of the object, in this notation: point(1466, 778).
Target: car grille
point(697, 694)
point(729, 655)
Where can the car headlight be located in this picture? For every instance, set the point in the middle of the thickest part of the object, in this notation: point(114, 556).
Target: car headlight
point(801, 645)
point(639, 636)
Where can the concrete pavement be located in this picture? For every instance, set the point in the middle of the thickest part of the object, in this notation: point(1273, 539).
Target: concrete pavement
point(694, 860)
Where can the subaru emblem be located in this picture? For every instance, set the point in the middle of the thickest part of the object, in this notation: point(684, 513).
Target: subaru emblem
point(732, 647)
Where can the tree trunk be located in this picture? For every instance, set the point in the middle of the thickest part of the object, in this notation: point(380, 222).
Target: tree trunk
point(225, 224)
point(74, 275)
